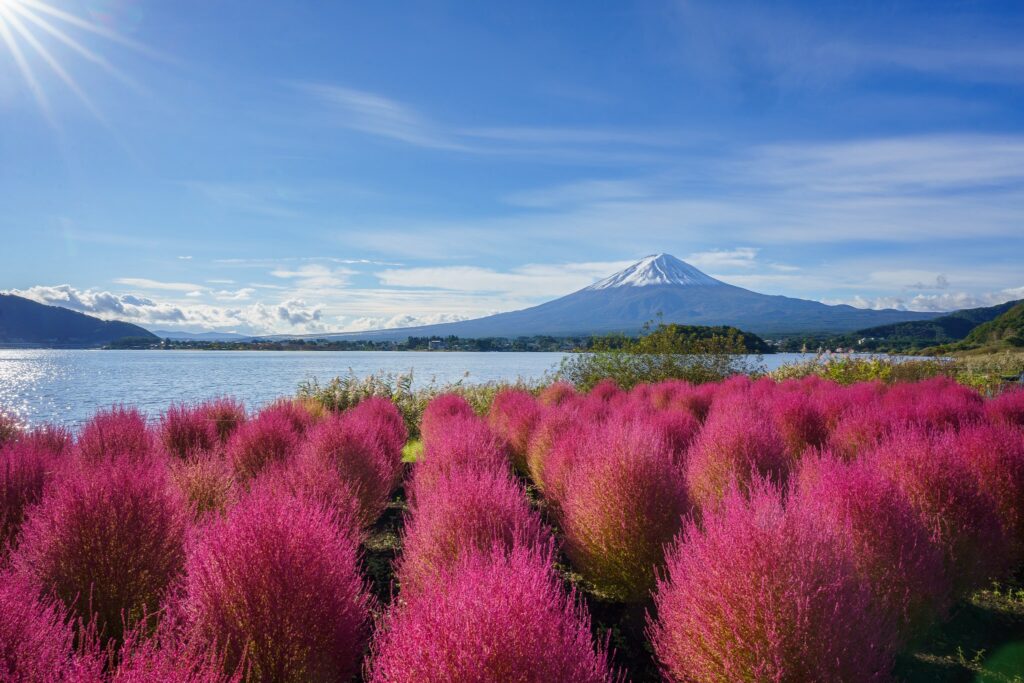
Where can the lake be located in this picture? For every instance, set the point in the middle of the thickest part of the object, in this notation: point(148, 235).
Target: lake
point(68, 386)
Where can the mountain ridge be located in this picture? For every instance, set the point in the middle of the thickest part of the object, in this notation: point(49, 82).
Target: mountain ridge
point(657, 285)
point(24, 322)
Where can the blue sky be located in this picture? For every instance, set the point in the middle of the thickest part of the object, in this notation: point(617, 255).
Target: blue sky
point(306, 166)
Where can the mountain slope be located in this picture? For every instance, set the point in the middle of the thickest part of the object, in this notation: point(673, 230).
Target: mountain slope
point(660, 285)
point(942, 330)
point(1006, 331)
point(24, 322)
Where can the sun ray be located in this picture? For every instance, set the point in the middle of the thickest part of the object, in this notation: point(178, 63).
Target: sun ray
point(70, 42)
point(26, 70)
point(74, 20)
point(41, 50)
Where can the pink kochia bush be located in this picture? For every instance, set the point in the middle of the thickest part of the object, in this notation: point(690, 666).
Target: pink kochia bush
point(961, 519)
point(621, 506)
point(363, 452)
point(277, 582)
point(738, 443)
point(513, 416)
point(439, 411)
point(500, 616)
point(37, 638)
point(1007, 407)
point(994, 453)
point(891, 548)
point(268, 438)
point(381, 417)
point(226, 415)
point(465, 443)
point(800, 422)
point(120, 433)
point(107, 540)
point(554, 425)
point(760, 594)
point(169, 659)
point(25, 467)
point(464, 511)
point(186, 430)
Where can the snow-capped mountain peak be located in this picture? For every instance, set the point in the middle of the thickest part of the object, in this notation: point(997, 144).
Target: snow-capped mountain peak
point(658, 269)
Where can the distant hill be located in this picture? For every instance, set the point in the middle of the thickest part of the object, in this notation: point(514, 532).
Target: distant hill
point(24, 322)
point(944, 329)
point(658, 285)
point(1004, 333)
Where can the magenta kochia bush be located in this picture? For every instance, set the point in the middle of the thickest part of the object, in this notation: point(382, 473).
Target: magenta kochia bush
point(116, 434)
point(169, 659)
point(799, 420)
point(268, 438)
point(620, 507)
point(382, 418)
point(226, 414)
point(961, 519)
point(464, 511)
point(278, 580)
point(440, 410)
point(891, 548)
point(762, 595)
point(366, 460)
point(738, 443)
point(25, 467)
point(465, 442)
point(513, 416)
point(106, 539)
point(494, 617)
point(1007, 407)
point(994, 453)
point(37, 638)
point(187, 430)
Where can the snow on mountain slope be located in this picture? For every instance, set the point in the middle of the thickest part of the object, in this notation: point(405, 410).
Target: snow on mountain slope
point(659, 269)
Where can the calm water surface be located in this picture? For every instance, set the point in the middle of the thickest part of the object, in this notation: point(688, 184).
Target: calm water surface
point(67, 387)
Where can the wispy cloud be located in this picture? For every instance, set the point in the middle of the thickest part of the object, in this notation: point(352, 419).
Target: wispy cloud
point(741, 257)
point(146, 283)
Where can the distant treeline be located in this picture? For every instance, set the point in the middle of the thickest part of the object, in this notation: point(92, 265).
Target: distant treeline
point(680, 336)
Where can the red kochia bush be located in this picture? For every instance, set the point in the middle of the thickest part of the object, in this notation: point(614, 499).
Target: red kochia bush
point(513, 416)
point(962, 520)
point(465, 442)
point(465, 510)
point(494, 617)
point(186, 430)
point(270, 437)
point(1007, 407)
point(738, 443)
point(440, 410)
point(555, 424)
point(277, 581)
point(207, 482)
point(762, 595)
point(294, 411)
point(167, 660)
point(620, 507)
point(36, 638)
point(107, 540)
point(382, 418)
point(115, 434)
point(556, 394)
point(994, 453)
point(799, 420)
point(226, 415)
point(351, 446)
point(25, 467)
point(891, 547)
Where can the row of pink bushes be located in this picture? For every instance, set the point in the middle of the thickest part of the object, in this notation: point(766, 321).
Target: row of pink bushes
point(773, 531)
point(207, 547)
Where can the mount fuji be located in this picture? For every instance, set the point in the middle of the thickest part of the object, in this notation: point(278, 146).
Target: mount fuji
point(659, 285)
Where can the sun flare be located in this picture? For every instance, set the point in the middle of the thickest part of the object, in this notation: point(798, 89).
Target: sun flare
point(26, 29)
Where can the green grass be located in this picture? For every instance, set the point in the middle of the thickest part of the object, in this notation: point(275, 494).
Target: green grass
point(412, 450)
point(982, 642)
